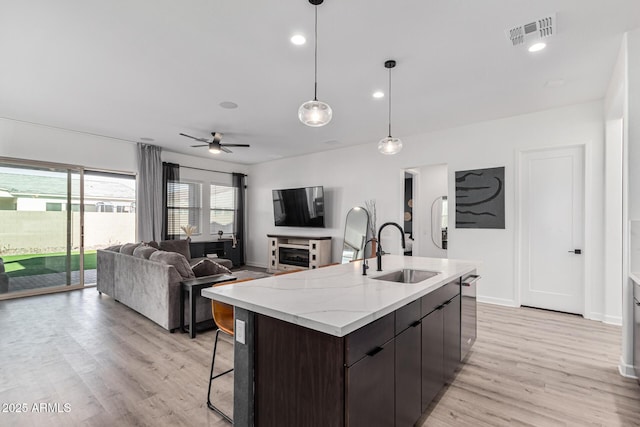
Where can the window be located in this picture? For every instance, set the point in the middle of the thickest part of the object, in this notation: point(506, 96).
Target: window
point(223, 209)
point(183, 206)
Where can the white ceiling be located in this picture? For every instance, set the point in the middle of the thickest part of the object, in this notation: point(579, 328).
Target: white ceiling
point(154, 68)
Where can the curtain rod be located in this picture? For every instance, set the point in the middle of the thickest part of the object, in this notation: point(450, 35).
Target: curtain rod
point(209, 170)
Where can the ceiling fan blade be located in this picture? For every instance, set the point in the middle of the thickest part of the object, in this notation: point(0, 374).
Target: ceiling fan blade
point(235, 145)
point(226, 150)
point(203, 145)
point(193, 137)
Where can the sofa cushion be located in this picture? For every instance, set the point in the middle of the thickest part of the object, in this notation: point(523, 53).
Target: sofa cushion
point(178, 246)
point(177, 260)
point(143, 251)
point(153, 244)
point(114, 248)
point(207, 267)
point(128, 248)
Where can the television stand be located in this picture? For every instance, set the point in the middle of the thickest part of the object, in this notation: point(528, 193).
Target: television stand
point(298, 252)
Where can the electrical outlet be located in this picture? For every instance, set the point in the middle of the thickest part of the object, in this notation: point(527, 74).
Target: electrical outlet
point(240, 331)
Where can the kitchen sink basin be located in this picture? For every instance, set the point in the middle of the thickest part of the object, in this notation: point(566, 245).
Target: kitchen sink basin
point(407, 276)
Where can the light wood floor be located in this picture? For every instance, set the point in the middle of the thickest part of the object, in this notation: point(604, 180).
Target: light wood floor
point(115, 367)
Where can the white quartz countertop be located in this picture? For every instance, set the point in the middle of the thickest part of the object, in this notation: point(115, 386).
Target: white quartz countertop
point(337, 300)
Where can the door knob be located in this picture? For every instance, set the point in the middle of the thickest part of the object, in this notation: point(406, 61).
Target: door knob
point(577, 251)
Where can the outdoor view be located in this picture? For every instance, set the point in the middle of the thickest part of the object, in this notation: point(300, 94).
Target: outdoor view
point(40, 224)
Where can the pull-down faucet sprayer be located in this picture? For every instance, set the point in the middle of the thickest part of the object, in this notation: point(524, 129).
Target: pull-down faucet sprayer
point(379, 251)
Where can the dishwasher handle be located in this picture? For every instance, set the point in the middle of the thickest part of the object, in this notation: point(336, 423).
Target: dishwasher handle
point(474, 278)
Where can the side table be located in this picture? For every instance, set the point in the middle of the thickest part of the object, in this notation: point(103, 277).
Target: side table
point(194, 287)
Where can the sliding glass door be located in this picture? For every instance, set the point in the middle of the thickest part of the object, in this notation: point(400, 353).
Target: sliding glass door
point(40, 228)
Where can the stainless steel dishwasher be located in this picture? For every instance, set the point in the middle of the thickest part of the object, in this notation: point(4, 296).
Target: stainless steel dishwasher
point(468, 314)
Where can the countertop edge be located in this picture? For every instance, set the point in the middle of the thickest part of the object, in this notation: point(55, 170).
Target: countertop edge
point(635, 277)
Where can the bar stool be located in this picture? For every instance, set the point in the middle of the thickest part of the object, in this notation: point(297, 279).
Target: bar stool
point(223, 316)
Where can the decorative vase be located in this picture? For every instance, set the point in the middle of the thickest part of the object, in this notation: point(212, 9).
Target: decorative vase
point(374, 243)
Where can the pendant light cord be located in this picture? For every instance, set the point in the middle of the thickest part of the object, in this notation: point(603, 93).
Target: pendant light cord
point(315, 59)
point(389, 102)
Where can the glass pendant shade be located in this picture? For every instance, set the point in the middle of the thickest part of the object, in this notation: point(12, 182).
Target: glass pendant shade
point(389, 145)
point(315, 113)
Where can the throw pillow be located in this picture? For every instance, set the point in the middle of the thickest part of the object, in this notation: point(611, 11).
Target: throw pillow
point(178, 246)
point(153, 244)
point(114, 248)
point(128, 248)
point(143, 251)
point(207, 267)
point(177, 260)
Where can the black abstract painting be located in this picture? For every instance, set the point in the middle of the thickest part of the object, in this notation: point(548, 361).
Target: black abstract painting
point(480, 198)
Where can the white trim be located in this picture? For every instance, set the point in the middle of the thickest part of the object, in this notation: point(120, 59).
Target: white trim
point(594, 316)
point(626, 370)
point(497, 301)
point(518, 219)
point(613, 320)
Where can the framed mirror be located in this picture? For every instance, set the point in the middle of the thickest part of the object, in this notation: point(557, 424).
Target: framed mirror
point(355, 234)
point(439, 222)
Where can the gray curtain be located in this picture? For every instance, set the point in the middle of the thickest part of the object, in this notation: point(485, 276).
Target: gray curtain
point(239, 182)
point(171, 222)
point(149, 208)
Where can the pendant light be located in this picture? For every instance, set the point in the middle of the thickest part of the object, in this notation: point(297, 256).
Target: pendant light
point(315, 113)
point(390, 145)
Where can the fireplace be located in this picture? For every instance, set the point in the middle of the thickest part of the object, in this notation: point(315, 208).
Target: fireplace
point(294, 256)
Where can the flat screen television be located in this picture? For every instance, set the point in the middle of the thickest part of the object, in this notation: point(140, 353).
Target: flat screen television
point(299, 207)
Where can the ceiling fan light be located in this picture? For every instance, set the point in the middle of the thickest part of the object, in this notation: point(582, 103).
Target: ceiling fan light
point(214, 149)
point(390, 145)
point(315, 113)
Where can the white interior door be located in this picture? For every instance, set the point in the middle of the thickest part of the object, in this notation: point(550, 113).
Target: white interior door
point(552, 213)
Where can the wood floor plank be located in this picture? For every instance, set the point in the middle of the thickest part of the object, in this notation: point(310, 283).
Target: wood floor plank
point(115, 367)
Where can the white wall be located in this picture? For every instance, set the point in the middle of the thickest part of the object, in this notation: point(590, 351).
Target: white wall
point(432, 183)
point(354, 174)
point(23, 140)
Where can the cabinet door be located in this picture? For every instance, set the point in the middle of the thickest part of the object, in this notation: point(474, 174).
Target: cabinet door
point(432, 356)
point(408, 381)
point(451, 354)
point(370, 389)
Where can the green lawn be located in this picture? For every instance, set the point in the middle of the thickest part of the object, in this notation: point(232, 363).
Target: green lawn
point(33, 264)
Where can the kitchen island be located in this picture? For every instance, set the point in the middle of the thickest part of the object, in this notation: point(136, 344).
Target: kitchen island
point(331, 347)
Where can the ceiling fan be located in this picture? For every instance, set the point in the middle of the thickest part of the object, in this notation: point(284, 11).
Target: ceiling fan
point(215, 147)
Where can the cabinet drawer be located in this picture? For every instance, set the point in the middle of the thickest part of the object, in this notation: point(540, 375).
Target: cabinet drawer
point(368, 338)
point(436, 298)
point(407, 316)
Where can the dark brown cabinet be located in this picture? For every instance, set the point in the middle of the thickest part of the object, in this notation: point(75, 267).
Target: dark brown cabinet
point(451, 336)
point(369, 389)
point(383, 374)
point(407, 376)
point(432, 356)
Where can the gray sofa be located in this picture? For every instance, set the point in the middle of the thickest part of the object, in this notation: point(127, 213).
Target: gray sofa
point(149, 287)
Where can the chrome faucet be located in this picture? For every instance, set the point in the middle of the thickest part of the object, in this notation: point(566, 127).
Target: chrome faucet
point(379, 250)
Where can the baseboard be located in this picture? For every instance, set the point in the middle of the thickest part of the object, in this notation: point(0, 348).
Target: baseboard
point(255, 264)
point(626, 370)
point(497, 301)
point(594, 316)
point(613, 320)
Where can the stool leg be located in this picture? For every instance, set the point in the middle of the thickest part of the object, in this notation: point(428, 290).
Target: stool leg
point(212, 377)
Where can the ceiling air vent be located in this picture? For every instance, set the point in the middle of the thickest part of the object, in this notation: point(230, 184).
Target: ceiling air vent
point(535, 30)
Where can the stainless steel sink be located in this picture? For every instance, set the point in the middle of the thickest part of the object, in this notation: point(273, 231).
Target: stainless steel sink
point(407, 276)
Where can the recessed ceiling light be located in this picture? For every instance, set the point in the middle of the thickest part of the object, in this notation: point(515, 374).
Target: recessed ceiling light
point(378, 94)
point(555, 83)
point(298, 40)
point(228, 105)
point(145, 139)
point(537, 47)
